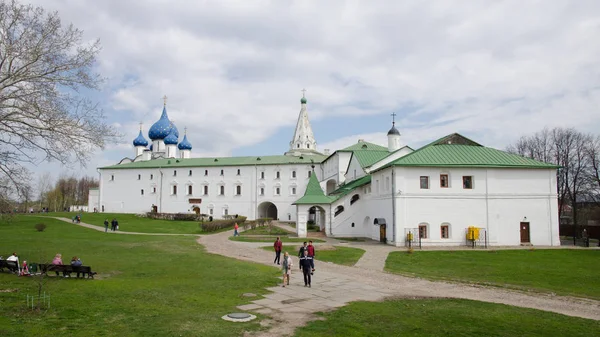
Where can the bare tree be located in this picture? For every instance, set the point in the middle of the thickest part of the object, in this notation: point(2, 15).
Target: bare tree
point(44, 184)
point(43, 116)
point(593, 154)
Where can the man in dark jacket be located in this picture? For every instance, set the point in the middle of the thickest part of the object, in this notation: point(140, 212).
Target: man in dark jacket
point(301, 251)
point(306, 265)
point(277, 246)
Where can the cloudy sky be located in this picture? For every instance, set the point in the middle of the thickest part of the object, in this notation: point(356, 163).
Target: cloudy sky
point(234, 70)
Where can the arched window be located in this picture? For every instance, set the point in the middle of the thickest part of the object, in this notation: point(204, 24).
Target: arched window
point(238, 190)
point(423, 230)
point(354, 199)
point(338, 210)
point(307, 145)
point(445, 230)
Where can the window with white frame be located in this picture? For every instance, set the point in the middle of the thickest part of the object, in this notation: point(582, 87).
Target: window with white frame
point(142, 192)
point(174, 190)
point(445, 230)
point(153, 189)
point(190, 173)
point(211, 211)
point(139, 177)
point(151, 176)
point(238, 190)
point(262, 191)
point(294, 174)
point(277, 175)
point(205, 190)
point(239, 172)
point(467, 182)
point(262, 175)
point(206, 172)
point(225, 211)
point(222, 172)
point(309, 173)
point(444, 181)
point(293, 191)
point(424, 182)
point(222, 190)
point(423, 229)
point(277, 190)
point(190, 190)
point(174, 173)
point(112, 177)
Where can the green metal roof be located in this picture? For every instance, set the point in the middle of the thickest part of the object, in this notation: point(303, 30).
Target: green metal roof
point(349, 187)
point(391, 153)
point(364, 146)
point(368, 158)
point(457, 151)
point(222, 161)
point(313, 194)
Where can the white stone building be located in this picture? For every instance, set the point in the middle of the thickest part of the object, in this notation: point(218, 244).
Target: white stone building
point(431, 195)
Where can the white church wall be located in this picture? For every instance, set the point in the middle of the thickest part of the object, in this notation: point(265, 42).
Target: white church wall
point(93, 199)
point(497, 208)
point(355, 170)
point(123, 194)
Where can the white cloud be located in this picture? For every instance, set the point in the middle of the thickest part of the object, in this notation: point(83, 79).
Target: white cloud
point(233, 69)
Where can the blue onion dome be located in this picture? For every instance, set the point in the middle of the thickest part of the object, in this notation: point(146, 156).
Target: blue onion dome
point(171, 139)
point(161, 128)
point(185, 144)
point(175, 131)
point(140, 140)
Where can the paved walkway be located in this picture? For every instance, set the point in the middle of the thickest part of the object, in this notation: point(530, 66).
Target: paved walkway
point(335, 286)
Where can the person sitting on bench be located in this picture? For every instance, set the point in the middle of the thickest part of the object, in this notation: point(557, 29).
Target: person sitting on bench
point(58, 261)
point(76, 262)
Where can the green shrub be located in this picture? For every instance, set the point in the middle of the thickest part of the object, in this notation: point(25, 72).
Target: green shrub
point(215, 225)
point(40, 227)
point(173, 216)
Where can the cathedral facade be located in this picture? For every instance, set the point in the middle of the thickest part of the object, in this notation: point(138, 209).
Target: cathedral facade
point(450, 192)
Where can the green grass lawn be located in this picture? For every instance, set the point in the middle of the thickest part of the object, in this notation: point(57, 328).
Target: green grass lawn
point(265, 231)
point(134, 223)
point(146, 285)
point(565, 272)
point(444, 317)
point(340, 255)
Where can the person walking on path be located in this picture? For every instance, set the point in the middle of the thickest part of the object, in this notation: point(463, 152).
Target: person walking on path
point(113, 224)
point(301, 251)
point(311, 253)
point(105, 225)
point(307, 265)
point(116, 225)
point(235, 230)
point(277, 246)
point(286, 268)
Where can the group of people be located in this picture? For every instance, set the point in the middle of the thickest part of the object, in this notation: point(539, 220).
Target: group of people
point(75, 262)
point(306, 256)
point(114, 225)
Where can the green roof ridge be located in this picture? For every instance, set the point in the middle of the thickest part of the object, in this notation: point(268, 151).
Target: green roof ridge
point(363, 146)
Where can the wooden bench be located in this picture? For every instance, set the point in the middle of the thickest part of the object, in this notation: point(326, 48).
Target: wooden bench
point(67, 269)
point(12, 266)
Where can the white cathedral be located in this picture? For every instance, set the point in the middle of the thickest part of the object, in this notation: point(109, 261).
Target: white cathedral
point(392, 194)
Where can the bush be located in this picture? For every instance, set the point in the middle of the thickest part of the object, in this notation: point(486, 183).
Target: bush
point(40, 227)
point(215, 225)
point(173, 216)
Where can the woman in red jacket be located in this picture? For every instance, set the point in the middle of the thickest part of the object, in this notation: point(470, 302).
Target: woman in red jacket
point(278, 246)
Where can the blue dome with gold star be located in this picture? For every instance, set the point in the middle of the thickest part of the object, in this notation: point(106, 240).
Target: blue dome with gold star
point(162, 128)
point(171, 139)
point(185, 144)
point(140, 140)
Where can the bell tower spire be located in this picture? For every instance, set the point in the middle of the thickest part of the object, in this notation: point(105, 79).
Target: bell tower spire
point(303, 141)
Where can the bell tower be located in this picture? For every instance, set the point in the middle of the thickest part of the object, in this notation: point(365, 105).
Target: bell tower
point(303, 141)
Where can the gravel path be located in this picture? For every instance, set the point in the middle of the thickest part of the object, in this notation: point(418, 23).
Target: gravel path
point(336, 285)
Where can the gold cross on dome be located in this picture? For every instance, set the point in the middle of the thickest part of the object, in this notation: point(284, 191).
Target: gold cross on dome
point(165, 99)
point(141, 126)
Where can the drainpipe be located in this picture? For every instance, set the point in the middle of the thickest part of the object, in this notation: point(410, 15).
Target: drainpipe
point(487, 208)
point(161, 190)
point(330, 222)
point(393, 207)
point(255, 191)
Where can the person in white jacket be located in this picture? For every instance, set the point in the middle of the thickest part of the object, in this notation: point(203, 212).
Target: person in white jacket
point(15, 258)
